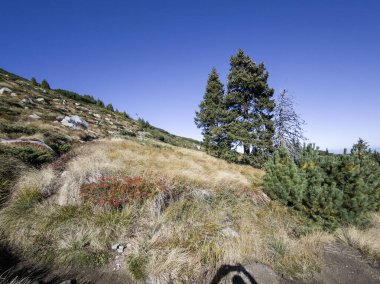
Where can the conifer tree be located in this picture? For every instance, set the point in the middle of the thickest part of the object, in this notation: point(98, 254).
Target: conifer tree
point(45, 85)
point(110, 107)
point(288, 125)
point(210, 115)
point(250, 108)
point(34, 81)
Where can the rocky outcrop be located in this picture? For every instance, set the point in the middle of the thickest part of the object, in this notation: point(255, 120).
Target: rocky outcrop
point(74, 122)
point(5, 90)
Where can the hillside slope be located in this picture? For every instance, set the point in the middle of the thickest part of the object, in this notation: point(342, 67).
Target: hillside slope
point(116, 200)
point(31, 112)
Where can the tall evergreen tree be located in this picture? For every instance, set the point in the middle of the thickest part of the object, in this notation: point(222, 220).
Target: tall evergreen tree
point(210, 115)
point(250, 108)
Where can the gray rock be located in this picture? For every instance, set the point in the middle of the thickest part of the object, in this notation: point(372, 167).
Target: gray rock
point(77, 104)
point(34, 116)
point(5, 90)
point(13, 95)
point(28, 100)
point(97, 115)
point(120, 249)
point(71, 281)
point(74, 122)
point(115, 246)
point(40, 99)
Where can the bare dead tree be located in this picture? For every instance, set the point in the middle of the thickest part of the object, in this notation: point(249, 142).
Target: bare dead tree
point(288, 125)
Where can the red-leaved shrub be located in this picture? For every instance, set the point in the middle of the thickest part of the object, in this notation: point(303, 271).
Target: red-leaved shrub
point(114, 192)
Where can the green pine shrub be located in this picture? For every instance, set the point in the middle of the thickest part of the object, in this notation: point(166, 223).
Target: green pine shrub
point(331, 190)
point(59, 143)
point(32, 155)
point(10, 129)
point(45, 85)
point(286, 181)
point(33, 81)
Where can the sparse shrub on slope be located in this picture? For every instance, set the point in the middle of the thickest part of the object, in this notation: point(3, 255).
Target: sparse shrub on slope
point(29, 154)
point(333, 190)
point(15, 129)
point(115, 193)
point(45, 85)
point(59, 143)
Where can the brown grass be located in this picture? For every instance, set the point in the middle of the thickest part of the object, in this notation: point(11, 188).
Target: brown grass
point(366, 241)
point(207, 216)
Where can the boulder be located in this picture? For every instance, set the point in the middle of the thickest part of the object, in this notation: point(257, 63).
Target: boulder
point(5, 90)
point(40, 99)
point(13, 95)
point(74, 122)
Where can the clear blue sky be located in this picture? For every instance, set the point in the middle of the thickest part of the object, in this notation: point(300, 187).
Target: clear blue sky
point(153, 57)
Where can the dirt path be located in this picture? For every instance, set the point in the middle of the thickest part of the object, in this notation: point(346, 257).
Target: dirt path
point(343, 265)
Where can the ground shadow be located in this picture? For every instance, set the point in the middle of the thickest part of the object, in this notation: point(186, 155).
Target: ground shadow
point(226, 269)
point(12, 267)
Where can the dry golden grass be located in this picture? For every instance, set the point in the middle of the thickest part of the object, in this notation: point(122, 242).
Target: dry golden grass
point(213, 220)
point(126, 157)
point(366, 241)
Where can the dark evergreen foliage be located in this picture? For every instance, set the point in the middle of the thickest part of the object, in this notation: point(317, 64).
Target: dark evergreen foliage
point(110, 107)
point(332, 190)
point(242, 118)
point(250, 107)
point(33, 81)
point(210, 117)
point(45, 85)
point(77, 97)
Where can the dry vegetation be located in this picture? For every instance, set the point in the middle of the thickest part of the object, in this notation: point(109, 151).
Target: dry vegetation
point(208, 214)
point(366, 241)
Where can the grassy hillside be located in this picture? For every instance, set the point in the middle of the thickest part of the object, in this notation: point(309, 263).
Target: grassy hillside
point(178, 213)
point(31, 112)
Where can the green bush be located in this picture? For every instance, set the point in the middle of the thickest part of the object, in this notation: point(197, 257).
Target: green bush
point(59, 143)
point(45, 85)
point(29, 154)
point(33, 81)
point(9, 129)
point(286, 181)
point(331, 190)
point(136, 266)
point(110, 107)
point(77, 97)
